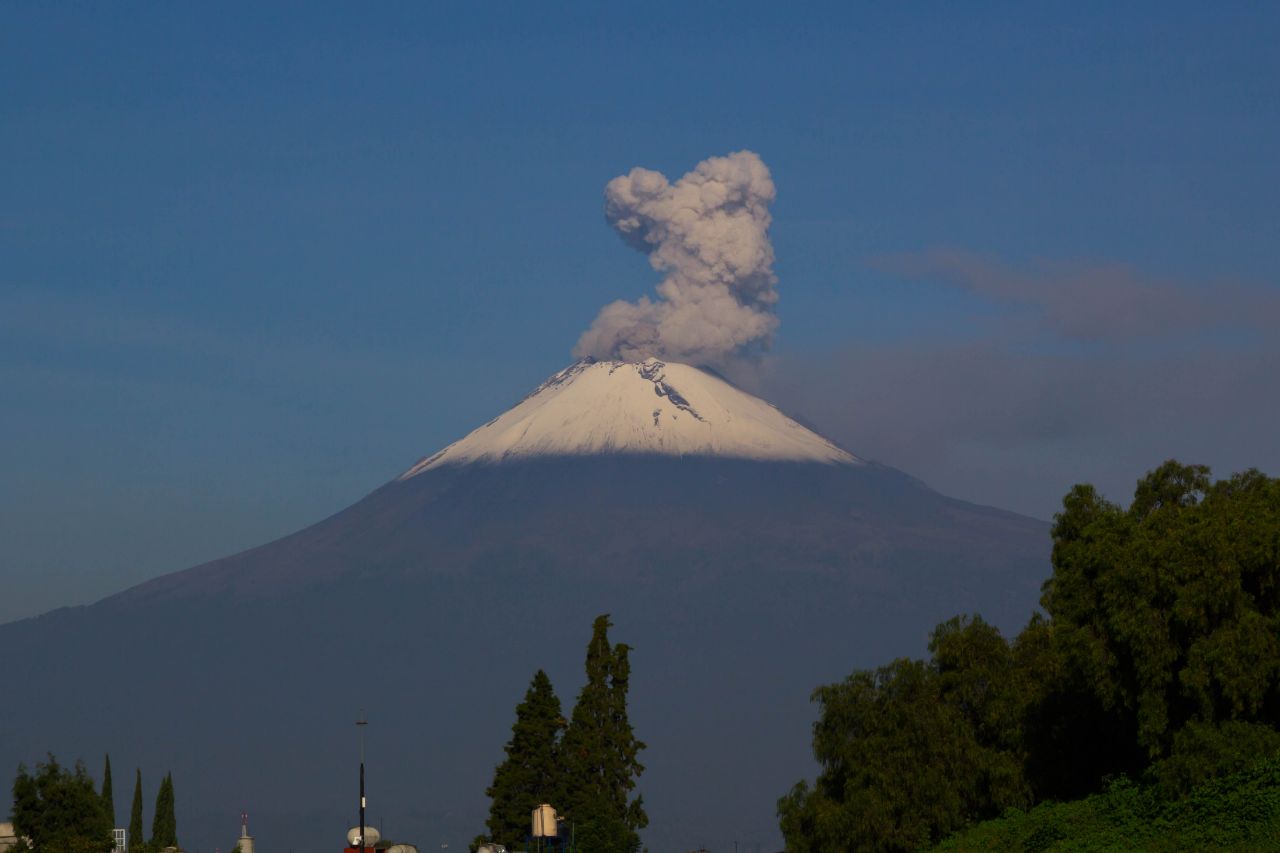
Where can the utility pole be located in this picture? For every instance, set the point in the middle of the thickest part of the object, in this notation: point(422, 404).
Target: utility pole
point(361, 724)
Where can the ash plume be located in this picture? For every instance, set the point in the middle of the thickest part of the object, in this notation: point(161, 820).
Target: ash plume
point(708, 233)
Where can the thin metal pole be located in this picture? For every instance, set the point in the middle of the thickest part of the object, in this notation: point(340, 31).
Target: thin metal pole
point(360, 724)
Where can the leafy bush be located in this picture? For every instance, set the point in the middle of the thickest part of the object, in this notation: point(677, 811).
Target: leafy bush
point(1202, 752)
point(1240, 812)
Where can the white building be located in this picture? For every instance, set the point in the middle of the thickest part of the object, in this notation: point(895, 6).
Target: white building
point(8, 837)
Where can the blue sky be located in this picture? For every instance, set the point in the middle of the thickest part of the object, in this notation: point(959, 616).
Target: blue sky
point(255, 261)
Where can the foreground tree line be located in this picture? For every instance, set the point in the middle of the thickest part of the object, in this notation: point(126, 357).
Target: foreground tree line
point(1157, 659)
point(58, 808)
point(1237, 813)
point(585, 767)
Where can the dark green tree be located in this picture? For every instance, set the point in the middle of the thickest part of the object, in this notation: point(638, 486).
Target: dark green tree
point(136, 842)
point(1158, 655)
point(979, 677)
point(59, 809)
point(530, 774)
point(1205, 751)
point(164, 823)
point(601, 753)
point(913, 751)
point(108, 798)
point(1168, 613)
point(1070, 740)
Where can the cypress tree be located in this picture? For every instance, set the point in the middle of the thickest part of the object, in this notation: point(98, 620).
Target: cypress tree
point(601, 753)
point(627, 766)
point(108, 799)
point(173, 813)
point(164, 824)
point(135, 814)
point(530, 775)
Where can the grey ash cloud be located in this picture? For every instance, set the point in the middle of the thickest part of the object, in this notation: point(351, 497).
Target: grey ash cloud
point(1097, 372)
point(1094, 301)
point(708, 233)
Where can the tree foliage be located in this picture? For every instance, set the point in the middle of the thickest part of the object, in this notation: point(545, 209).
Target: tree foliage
point(108, 797)
point(601, 752)
point(1238, 813)
point(1158, 654)
point(530, 774)
point(913, 750)
point(586, 769)
point(1171, 610)
point(164, 822)
point(1205, 751)
point(135, 814)
point(59, 809)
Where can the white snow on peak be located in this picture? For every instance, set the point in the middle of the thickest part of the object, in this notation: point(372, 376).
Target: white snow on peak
point(651, 407)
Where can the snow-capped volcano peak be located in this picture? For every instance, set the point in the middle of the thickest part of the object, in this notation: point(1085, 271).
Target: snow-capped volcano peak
point(650, 407)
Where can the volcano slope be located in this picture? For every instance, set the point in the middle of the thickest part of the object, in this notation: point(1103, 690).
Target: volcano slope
point(741, 580)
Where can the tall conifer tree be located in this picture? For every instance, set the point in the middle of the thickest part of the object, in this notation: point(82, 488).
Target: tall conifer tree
point(601, 753)
point(108, 798)
point(164, 824)
point(171, 820)
point(530, 775)
point(135, 839)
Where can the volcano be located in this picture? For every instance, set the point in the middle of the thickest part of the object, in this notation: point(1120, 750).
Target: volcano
point(744, 557)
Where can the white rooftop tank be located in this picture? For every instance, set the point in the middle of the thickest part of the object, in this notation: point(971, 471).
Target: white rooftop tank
point(371, 836)
point(544, 822)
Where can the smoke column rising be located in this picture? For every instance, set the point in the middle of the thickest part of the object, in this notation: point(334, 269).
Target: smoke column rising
point(709, 234)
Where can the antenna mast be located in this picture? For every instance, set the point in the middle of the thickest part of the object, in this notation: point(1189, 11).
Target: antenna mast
point(361, 724)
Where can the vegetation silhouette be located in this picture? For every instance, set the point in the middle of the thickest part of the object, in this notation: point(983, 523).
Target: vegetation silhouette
point(586, 768)
point(1156, 658)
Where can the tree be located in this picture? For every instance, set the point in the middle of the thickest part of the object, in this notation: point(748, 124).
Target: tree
point(164, 823)
point(135, 814)
point(979, 677)
point(600, 752)
point(1159, 655)
point(1071, 742)
point(1169, 611)
point(1204, 751)
point(59, 809)
point(913, 751)
point(530, 774)
point(108, 798)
